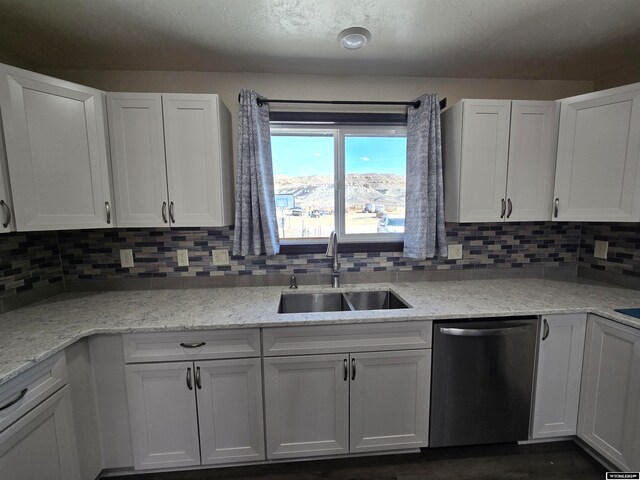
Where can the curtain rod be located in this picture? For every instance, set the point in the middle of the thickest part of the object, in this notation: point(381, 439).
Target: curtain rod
point(416, 104)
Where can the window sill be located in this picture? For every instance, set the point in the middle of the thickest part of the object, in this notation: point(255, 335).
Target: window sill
point(345, 247)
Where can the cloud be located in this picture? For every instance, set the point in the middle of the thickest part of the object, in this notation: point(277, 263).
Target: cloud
point(365, 159)
point(317, 154)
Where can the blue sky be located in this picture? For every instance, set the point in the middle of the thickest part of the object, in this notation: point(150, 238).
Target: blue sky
point(313, 155)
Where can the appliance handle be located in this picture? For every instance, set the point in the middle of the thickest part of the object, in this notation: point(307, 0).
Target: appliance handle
point(483, 332)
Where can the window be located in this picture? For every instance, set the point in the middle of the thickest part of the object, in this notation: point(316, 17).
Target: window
point(344, 178)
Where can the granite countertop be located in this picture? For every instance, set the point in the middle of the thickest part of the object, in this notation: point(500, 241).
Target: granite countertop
point(32, 334)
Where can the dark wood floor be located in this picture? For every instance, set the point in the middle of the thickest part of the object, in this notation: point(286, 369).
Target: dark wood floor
point(549, 461)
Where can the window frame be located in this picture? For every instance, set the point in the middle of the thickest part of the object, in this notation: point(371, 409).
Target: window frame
point(339, 133)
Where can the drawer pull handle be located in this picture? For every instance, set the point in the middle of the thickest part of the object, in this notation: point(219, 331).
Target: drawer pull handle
point(555, 208)
point(353, 369)
point(15, 400)
point(346, 370)
point(198, 383)
point(503, 209)
point(193, 345)
point(189, 384)
point(108, 209)
point(510, 210)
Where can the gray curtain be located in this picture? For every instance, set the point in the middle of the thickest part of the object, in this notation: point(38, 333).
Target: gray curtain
point(424, 235)
point(256, 228)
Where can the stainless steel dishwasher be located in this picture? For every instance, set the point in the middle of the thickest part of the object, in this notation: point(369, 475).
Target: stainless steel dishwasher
point(482, 380)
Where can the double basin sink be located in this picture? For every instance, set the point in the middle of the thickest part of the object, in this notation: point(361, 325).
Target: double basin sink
point(340, 301)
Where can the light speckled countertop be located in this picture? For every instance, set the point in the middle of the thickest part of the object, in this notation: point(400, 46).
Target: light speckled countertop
point(31, 334)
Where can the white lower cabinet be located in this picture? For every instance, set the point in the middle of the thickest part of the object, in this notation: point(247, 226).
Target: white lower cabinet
point(315, 404)
point(40, 445)
point(192, 413)
point(557, 391)
point(389, 400)
point(307, 405)
point(229, 396)
point(164, 422)
point(609, 419)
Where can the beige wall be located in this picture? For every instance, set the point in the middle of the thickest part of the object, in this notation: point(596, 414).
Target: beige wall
point(320, 87)
point(621, 76)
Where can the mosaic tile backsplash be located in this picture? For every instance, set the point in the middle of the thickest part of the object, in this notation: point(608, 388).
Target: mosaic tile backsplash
point(94, 254)
point(623, 257)
point(28, 261)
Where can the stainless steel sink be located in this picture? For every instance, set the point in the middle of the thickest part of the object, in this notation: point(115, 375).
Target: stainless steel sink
point(313, 302)
point(340, 302)
point(376, 300)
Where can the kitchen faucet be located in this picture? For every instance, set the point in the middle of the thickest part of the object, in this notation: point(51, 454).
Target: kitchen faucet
point(332, 251)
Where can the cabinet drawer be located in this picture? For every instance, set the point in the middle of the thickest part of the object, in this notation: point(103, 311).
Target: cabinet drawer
point(346, 338)
point(178, 346)
point(21, 394)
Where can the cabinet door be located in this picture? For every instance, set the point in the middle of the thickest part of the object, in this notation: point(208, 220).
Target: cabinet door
point(532, 160)
point(137, 152)
point(557, 390)
point(306, 405)
point(6, 204)
point(41, 444)
point(597, 176)
point(485, 149)
point(194, 163)
point(230, 410)
point(162, 410)
point(609, 418)
point(389, 403)
point(56, 149)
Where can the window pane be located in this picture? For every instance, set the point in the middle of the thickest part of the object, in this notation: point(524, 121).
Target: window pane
point(303, 172)
point(375, 183)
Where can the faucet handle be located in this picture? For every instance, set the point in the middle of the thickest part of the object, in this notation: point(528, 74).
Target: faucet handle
point(293, 283)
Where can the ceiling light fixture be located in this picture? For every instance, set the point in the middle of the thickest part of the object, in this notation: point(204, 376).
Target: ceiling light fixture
point(354, 38)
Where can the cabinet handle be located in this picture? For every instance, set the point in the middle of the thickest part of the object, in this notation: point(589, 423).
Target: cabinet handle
point(346, 370)
point(108, 209)
point(504, 208)
point(172, 216)
point(555, 208)
point(193, 345)
point(164, 212)
point(7, 213)
point(353, 369)
point(510, 208)
point(189, 384)
point(546, 329)
point(18, 398)
point(198, 384)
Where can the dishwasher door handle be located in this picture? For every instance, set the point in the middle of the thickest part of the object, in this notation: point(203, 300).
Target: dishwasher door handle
point(483, 332)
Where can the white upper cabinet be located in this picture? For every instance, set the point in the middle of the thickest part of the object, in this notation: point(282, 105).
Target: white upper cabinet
point(56, 151)
point(499, 160)
point(199, 166)
point(532, 153)
point(172, 161)
point(137, 155)
point(597, 176)
point(7, 223)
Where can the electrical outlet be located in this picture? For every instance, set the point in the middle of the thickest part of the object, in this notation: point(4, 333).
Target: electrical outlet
point(220, 257)
point(454, 252)
point(183, 258)
point(126, 258)
point(601, 249)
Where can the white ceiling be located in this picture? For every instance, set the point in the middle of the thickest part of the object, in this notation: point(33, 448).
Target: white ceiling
point(537, 39)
